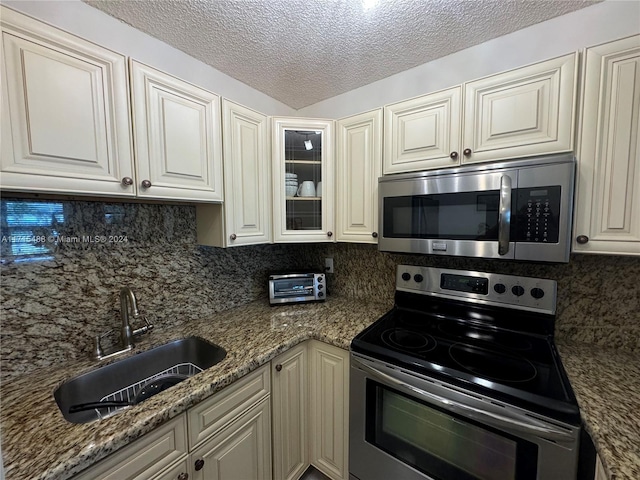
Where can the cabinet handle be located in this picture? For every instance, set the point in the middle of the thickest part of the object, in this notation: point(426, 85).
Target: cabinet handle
point(127, 181)
point(329, 234)
point(582, 239)
point(146, 184)
point(467, 152)
point(454, 155)
point(183, 476)
point(278, 367)
point(199, 464)
point(374, 234)
point(233, 236)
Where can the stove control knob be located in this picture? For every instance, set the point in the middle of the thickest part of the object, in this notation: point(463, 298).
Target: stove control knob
point(537, 293)
point(406, 276)
point(518, 291)
point(499, 288)
point(418, 278)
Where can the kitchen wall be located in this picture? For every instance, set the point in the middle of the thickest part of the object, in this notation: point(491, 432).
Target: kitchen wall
point(56, 294)
point(586, 27)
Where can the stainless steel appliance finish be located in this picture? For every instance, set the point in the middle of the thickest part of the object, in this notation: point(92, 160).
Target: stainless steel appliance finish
point(518, 210)
point(461, 381)
point(297, 287)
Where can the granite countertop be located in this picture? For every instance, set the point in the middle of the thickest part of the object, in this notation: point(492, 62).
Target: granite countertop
point(607, 385)
point(37, 443)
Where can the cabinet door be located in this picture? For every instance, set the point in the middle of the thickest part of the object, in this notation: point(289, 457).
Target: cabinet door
point(245, 218)
point(65, 112)
point(177, 137)
point(148, 457)
point(242, 451)
point(290, 399)
point(329, 392)
point(521, 113)
point(303, 180)
point(608, 190)
point(423, 132)
point(358, 166)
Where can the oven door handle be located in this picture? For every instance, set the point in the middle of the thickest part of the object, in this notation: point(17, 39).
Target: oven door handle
point(504, 220)
point(488, 418)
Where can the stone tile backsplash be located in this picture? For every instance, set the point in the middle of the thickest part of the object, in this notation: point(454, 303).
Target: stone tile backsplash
point(63, 263)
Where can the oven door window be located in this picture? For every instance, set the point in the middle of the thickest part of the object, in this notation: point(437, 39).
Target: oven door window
point(455, 216)
point(298, 287)
point(441, 444)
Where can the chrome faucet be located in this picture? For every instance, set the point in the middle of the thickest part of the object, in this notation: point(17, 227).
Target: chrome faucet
point(128, 310)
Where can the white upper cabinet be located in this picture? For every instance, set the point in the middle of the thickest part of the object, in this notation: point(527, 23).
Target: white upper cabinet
point(303, 180)
point(245, 217)
point(177, 135)
point(421, 133)
point(520, 113)
point(65, 112)
point(358, 166)
point(607, 218)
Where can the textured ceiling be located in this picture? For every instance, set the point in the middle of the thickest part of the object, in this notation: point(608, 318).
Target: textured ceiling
point(303, 51)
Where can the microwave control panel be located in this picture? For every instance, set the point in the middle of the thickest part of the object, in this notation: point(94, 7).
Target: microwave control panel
point(538, 214)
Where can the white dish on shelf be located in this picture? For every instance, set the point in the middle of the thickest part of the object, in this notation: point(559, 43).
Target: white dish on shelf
point(291, 190)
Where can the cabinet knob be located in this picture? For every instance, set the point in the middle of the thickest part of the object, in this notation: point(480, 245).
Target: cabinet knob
point(582, 239)
point(127, 181)
point(146, 184)
point(199, 464)
point(454, 155)
point(183, 476)
point(329, 234)
point(467, 152)
point(374, 234)
point(233, 236)
point(278, 367)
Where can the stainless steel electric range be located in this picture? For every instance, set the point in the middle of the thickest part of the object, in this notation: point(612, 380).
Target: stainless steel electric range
point(461, 380)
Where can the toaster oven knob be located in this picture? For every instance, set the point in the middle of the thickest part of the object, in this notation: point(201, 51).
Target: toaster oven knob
point(418, 278)
point(320, 287)
point(320, 294)
point(537, 293)
point(518, 291)
point(499, 288)
point(406, 276)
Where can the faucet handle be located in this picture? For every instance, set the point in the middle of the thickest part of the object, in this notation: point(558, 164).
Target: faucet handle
point(148, 326)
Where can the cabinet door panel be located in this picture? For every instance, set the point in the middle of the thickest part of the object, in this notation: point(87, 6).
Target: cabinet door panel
point(358, 166)
point(65, 112)
point(422, 132)
point(329, 409)
point(290, 400)
point(523, 112)
point(608, 198)
point(177, 137)
point(241, 451)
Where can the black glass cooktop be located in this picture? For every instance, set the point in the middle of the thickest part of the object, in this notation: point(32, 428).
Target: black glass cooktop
point(471, 347)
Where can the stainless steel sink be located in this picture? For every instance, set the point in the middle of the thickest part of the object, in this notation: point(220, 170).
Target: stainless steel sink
point(122, 380)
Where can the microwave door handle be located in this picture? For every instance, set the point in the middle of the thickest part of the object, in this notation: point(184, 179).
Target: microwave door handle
point(504, 219)
point(510, 423)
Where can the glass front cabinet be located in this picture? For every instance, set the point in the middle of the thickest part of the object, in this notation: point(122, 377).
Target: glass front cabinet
point(303, 173)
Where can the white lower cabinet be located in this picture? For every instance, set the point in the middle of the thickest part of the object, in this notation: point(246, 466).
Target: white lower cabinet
point(242, 451)
point(329, 407)
point(290, 397)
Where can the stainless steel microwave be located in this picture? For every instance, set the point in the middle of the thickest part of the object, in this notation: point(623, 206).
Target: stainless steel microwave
point(297, 287)
point(518, 210)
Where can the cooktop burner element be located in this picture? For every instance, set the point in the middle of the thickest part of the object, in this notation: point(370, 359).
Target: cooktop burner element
point(491, 364)
point(407, 339)
point(478, 331)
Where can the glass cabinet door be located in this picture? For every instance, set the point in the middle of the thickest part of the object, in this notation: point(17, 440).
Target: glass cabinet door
point(303, 180)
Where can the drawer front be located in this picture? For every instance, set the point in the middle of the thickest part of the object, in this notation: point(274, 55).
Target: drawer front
point(146, 457)
point(177, 472)
point(211, 415)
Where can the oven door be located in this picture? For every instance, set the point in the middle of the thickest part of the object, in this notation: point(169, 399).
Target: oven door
point(466, 214)
point(411, 427)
